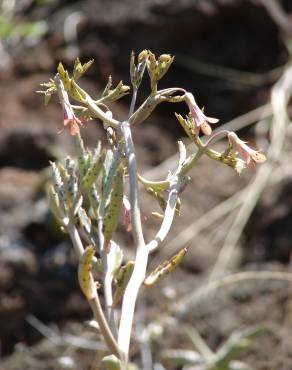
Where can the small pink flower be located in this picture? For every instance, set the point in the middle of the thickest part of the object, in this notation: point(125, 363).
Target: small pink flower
point(71, 120)
point(201, 120)
point(127, 214)
point(249, 155)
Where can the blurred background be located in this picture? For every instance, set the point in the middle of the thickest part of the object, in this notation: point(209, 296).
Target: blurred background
point(232, 54)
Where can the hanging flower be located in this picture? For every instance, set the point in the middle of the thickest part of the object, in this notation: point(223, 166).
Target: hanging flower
point(249, 155)
point(71, 120)
point(201, 120)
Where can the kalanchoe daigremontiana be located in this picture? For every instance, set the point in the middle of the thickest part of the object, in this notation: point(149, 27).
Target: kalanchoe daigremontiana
point(92, 194)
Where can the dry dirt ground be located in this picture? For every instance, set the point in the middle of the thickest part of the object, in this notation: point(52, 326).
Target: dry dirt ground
point(37, 265)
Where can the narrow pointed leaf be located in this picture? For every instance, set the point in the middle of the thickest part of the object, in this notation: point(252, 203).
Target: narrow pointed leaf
point(236, 343)
point(114, 207)
point(93, 172)
point(85, 278)
point(114, 258)
point(83, 157)
point(165, 268)
point(122, 280)
point(84, 219)
point(180, 357)
point(54, 202)
point(108, 86)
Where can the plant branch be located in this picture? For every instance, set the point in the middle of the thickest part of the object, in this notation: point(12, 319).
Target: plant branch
point(133, 180)
point(99, 113)
point(133, 101)
point(139, 271)
point(94, 303)
point(151, 103)
point(175, 181)
point(168, 217)
point(103, 326)
point(107, 282)
point(74, 235)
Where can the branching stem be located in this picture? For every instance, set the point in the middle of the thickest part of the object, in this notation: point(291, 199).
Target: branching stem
point(139, 272)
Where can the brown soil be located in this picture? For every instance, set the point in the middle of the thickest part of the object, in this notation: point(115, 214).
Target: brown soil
point(37, 265)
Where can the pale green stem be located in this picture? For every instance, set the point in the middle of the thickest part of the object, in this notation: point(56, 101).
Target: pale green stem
point(216, 135)
point(170, 90)
point(133, 180)
point(150, 104)
point(175, 184)
point(192, 160)
point(103, 326)
point(99, 113)
point(139, 271)
point(74, 235)
point(159, 185)
point(133, 101)
point(107, 282)
point(94, 303)
point(168, 217)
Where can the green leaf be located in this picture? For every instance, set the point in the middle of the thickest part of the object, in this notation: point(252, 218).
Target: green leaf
point(186, 125)
point(113, 209)
point(114, 258)
point(64, 76)
point(54, 202)
point(84, 219)
point(85, 277)
point(83, 157)
point(32, 29)
point(118, 92)
point(108, 87)
point(165, 268)
point(236, 343)
point(6, 27)
point(123, 277)
point(58, 182)
point(110, 166)
point(77, 204)
point(94, 171)
point(79, 69)
point(70, 182)
point(47, 97)
point(180, 357)
point(93, 198)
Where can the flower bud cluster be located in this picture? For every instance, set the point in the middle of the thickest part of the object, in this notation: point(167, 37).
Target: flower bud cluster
point(137, 71)
point(158, 68)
